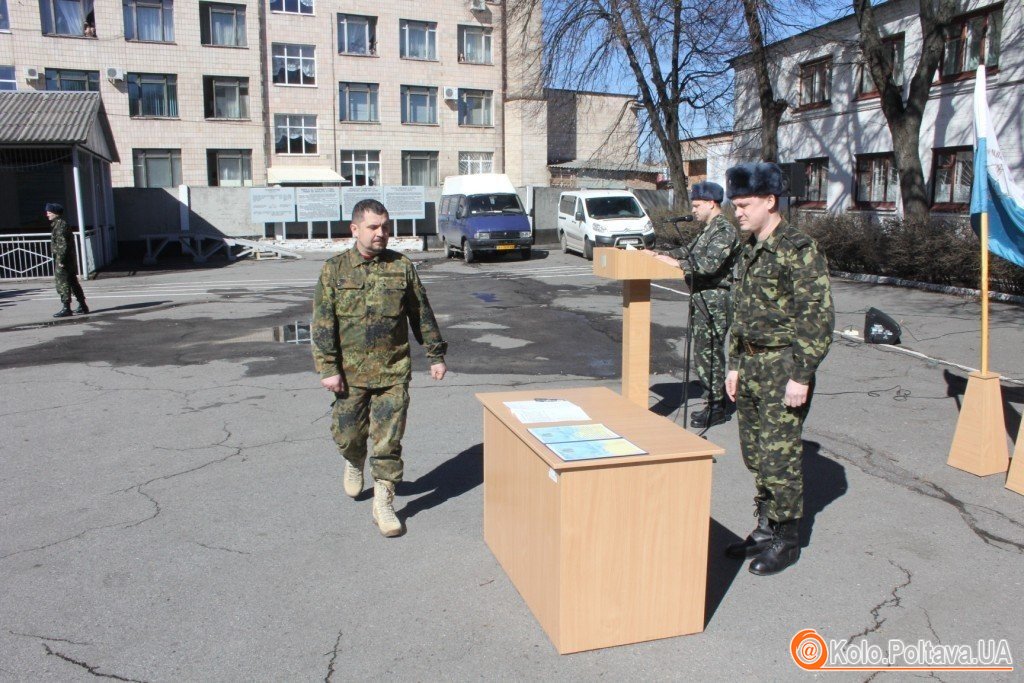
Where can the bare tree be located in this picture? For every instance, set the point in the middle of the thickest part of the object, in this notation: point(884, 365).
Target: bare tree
point(674, 51)
point(904, 116)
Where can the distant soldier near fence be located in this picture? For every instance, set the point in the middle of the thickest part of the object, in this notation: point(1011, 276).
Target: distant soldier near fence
point(65, 265)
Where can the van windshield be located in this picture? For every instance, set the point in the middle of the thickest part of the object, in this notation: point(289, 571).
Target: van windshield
point(614, 207)
point(494, 203)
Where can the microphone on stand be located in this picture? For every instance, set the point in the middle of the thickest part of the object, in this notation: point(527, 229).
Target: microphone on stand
point(681, 219)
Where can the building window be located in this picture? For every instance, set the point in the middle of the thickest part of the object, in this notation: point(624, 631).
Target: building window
point(877, 181)
point(226, 97)
point(815, 82)
point(153, 95)
point(229, 167)
point(419, 105)
point(972, 40)
point(7, 80)
point(419, 168)
point(476, 162)
point(157, 167)
point(294, 64)
point(149, 20)
point(360, 167)
point(894, 49)
point(475, 45)
point(68, 18)
point(67, 80)
point(952, 178)
point(295, 133)
point(357, 35)
point(222, 25)
point(816, 178)
point(418, 40)
point(5, 22)
point(697, 170)
point(292, 6)
point(357, 102)
point(475, 108)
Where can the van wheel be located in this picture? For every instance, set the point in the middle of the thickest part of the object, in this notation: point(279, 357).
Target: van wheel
point(588, 249)
point(448, 251)
point(525, 253)
point(565, 245)
point(467, 253)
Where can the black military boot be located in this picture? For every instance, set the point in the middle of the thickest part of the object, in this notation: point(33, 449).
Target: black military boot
point(759, 539)
point(82, 308)
point(714, 413)
point(783, 551)
point(64, 312)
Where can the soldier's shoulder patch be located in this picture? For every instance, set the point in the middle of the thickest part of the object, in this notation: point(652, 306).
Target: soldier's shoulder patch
point(799, 239)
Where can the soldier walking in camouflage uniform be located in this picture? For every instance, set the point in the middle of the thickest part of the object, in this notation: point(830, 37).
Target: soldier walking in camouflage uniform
point(781, 330)
point(65, 267)
point(707, 261)
point(366, 300)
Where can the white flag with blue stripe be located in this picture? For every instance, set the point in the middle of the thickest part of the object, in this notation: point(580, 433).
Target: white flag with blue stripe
point(993, 191)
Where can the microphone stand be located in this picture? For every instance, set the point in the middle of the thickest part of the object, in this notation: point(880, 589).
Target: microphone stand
point(688, 349)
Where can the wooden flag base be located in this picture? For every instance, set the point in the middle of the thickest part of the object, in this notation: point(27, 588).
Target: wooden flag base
point(1015, 481)
point(979, 444)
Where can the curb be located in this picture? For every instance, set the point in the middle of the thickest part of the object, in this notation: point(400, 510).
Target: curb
point(928, 286)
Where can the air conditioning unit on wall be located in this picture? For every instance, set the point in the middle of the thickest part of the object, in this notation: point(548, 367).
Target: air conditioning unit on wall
point(32, 73)
point(115, 73)
point(478, 5)
point(451, 93)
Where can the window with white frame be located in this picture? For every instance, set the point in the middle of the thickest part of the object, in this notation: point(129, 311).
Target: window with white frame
point(952, 177)
point(357, 102)
point(69, 80)
point(157, 167)
point(877, 181)
point(357, 35)
point(418, 40)
point(894, 49)
point(419, 104)
point(476, 162)
point(68, 18)
point(229, 167)
point(816, 177)
point(153, 95)
point(149, 21)
point(475, 108)
point(226, 97)
point(222, 24)
point(292, 6)
point(419, 168)
point(294, 64)
point(5, 22)
point(295, 133)
point(360, 166)
point(7, 80)
point(972, 40)
point(816, 82)
point(475, 45)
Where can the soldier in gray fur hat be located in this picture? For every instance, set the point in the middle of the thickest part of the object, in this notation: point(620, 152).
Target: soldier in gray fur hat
point(781, 329)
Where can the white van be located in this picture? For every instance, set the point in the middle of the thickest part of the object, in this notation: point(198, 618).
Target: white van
point(602, 218)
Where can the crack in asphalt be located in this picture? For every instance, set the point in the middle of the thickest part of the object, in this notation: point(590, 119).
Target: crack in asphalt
point(894, 601)
point(334, 656)
point(891, 472)
point(94, 670)
point(227, 550)
point(49, 638)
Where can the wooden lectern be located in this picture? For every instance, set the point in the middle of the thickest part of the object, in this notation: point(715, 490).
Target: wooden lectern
point(636, 270)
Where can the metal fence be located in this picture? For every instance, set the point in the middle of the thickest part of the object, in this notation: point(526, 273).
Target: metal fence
point(29, 255)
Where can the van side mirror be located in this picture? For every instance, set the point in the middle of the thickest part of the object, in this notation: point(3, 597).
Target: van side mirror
point(579, 215)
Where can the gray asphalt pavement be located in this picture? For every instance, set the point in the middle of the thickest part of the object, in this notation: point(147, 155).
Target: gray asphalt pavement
point(172, 510)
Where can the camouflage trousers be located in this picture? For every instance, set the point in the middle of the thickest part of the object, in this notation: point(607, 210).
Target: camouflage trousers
point(710, 323)
point(376, 413)
point(65, 276)
point(770, 432)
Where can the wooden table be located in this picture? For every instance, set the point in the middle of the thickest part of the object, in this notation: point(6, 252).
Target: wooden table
point(607, 551)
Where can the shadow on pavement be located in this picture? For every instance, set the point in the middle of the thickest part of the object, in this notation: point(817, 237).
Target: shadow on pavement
point(455, 476)
point(722, 571)
point(671, 395)
point(824, 482)
point(957, 385)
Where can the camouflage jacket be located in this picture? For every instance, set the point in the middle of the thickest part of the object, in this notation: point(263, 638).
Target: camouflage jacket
point(62, 241)
point(711, 255)
point(362, 312)
point(781, 296)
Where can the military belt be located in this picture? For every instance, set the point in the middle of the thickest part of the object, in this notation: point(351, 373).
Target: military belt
point(751, 349)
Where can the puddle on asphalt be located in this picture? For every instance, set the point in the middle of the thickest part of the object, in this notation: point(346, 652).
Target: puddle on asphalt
point(486, 297)
point(294, 333)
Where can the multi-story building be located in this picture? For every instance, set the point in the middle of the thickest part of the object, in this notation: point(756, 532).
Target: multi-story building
point(253, 92)
point(834, 124)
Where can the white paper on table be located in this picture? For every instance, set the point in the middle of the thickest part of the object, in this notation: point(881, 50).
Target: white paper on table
point(546, 410)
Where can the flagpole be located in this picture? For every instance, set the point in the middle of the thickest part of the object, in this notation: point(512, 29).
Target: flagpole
point(984, 291)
